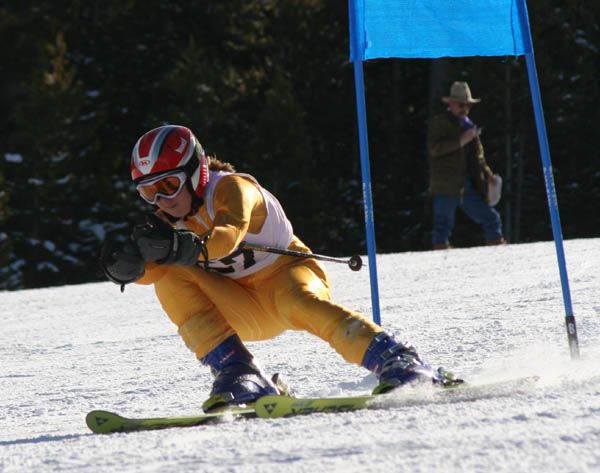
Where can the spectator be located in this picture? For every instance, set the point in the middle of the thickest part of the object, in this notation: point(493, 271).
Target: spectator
point(459, 173)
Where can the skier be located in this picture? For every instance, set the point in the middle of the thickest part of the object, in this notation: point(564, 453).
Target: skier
point(219, 294)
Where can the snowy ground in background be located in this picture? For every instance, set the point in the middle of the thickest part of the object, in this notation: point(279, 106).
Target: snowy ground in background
point(486, 313)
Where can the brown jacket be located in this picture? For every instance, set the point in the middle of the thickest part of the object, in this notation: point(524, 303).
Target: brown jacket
point(449, 162)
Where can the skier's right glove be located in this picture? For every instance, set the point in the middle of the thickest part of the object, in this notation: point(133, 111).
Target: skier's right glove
point(158, 241)
point(121, 261)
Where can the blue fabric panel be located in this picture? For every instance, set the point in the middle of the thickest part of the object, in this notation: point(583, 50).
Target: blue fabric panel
point(435, 28)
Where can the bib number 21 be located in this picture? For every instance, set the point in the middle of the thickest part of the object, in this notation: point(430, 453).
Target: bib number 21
point(236, 261)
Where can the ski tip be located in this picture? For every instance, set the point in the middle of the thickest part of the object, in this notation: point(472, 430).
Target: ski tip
point(103, 422)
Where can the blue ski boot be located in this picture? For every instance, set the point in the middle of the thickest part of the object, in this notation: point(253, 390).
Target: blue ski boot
point(396, 365)
point(238, 381)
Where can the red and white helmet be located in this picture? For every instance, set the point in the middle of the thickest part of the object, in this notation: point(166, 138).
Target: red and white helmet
point(166, 149)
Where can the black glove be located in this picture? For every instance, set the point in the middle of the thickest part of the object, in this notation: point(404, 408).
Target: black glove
point(121, 262)
point(158, 241)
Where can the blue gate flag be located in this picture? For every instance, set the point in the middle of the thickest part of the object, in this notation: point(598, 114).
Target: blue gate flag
point(436, 28)
point(454, 28)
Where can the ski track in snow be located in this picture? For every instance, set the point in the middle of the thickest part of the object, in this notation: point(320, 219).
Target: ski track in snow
point(486, 313)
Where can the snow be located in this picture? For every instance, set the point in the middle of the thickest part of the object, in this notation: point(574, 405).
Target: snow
point(486, 313)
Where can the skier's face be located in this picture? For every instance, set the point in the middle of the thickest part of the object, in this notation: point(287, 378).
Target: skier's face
point(178, 206)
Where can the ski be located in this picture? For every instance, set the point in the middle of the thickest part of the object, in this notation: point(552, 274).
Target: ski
point(271, 407)
point(104, 422)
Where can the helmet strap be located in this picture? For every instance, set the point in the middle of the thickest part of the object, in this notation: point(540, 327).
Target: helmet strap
point(196, 201)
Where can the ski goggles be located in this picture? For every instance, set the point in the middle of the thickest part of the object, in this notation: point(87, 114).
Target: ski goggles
point(166, 186)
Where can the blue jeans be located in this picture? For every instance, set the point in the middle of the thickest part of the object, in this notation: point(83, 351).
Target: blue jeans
point(473, 205)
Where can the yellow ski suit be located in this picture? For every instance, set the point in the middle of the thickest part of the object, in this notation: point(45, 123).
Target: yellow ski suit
point(284, 293)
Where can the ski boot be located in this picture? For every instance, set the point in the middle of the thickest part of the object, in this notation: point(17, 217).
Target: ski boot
point(238, 381)
point(397, 364)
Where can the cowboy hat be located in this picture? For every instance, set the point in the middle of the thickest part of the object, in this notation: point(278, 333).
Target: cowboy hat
point(460, 92)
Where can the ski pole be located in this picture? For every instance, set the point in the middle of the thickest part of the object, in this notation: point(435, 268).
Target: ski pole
point(354, 262)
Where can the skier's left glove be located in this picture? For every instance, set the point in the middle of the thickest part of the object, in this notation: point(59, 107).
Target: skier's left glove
point(158, 241)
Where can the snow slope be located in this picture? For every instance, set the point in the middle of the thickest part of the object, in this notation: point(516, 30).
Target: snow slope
point(486, 313)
